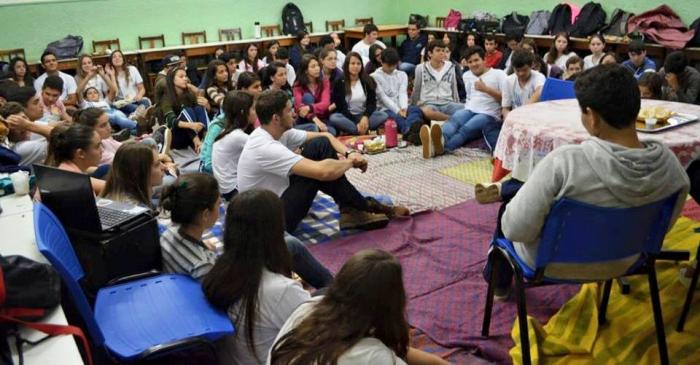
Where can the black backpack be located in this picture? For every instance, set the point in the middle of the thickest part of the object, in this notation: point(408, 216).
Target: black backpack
point(589, 21)
point(618, 23)
point(422, 20)
point(560, 20)
point(467, 25)
point(695, 42)
point(68, 47)
point(515, 24)
point(292, 20)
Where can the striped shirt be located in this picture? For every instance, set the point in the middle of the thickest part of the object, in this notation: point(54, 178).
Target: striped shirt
point(184, 255)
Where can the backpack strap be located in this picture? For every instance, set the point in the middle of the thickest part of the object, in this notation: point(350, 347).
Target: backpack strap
point(54, 330)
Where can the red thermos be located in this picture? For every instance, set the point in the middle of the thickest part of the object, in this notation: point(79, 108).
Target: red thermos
point(390, 133)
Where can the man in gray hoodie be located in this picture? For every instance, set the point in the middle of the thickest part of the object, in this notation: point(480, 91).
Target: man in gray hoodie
point(611, 169)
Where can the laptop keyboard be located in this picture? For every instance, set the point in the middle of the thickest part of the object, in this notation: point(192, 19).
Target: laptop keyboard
point(112, 217)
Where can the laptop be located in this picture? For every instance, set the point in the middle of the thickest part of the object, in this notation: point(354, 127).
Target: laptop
point(70, 197)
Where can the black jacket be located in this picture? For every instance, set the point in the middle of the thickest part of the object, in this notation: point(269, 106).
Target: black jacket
point(341, 105)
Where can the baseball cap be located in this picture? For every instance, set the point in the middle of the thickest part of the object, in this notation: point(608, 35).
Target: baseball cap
point(171, 60)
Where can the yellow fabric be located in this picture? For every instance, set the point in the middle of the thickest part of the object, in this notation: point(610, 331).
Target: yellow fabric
point(472, 173)
point(572, 335)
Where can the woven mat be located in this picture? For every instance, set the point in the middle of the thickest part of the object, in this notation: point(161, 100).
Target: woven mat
point(471, 173)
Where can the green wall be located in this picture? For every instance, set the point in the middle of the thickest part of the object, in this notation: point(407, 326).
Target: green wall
point(688, 10)
point(33, 26)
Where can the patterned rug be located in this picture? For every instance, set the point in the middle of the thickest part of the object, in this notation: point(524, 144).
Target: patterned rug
point(471, 173)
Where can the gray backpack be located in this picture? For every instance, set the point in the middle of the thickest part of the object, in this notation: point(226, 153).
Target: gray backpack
point(538, 24)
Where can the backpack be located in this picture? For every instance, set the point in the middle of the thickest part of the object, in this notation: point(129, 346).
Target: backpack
point(28, 290)
point(467, 25)
point(514, 24)
point(618, 23)
point(695, 42)
point(589, 21)
point(560, 20)
point(452, 19)
point(538, 23)
point(68, 47)
point(292, 20)
point(422, 20)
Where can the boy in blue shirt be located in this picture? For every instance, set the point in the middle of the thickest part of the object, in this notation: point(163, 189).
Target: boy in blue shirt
point(638, 63)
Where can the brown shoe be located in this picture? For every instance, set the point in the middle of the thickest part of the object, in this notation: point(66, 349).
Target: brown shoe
point(351, 218)
point(390, 211)
point(436, 137)
point(425, 142)
point(487, 193)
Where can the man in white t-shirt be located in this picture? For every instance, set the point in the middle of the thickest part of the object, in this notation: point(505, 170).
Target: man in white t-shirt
point(362, 47)
point(268, 162)
point(524, 85)
point(50, 64)
point(483, 107)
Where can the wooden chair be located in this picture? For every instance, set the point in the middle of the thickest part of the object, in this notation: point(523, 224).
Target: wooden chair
point(335, 25)
point(8, 54)
point(309, 27)
point(364, 21)
point(194, 37)
point(440, 21)
point(230, 34)
point(151, 41)
point(269, 30)
point(100, 47)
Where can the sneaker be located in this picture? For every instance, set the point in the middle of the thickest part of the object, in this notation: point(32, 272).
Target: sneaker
point(122, 135)
point(425, 142)
point(351, 218)
point(437, 139)
point(375, 206)
point(487, 193)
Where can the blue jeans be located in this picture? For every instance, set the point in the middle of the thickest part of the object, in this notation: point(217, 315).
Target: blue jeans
point(308, 99)
point(413, 115)
point(306, 265)
point(347, 125)
point(130, 108)
point(465, 126)
point(118, 119)
point(449, 108)
point(408, 68)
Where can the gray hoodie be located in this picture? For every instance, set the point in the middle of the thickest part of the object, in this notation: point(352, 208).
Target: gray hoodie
point(596, 172)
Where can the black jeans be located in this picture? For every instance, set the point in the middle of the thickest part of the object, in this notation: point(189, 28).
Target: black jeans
point(504, 273)
point(302, 190)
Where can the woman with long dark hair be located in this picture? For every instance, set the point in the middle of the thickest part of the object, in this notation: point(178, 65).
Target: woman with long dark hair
point(312, 96)
point(187, 134)
point(217, 84)
point(559, 52)
point(252, 279)
point(360, 320)
point(251, 59)
point(131, 92)
point(19, 72)
point(136, 170)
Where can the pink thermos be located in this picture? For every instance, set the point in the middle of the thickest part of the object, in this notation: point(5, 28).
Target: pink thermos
point(390, 133)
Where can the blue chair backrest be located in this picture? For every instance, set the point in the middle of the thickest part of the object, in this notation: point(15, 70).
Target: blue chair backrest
point(54, 244)
point(576, 232)
point(555, 89)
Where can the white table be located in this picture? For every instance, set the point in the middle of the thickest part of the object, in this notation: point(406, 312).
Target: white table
point(18, 238)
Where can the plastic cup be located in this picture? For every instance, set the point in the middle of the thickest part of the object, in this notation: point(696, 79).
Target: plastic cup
point(650, 123)
point(20, 182)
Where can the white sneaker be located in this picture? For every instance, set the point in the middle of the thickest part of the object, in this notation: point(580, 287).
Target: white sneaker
point(426, 141)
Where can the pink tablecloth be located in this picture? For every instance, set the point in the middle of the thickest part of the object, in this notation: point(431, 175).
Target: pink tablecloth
point(532, 131)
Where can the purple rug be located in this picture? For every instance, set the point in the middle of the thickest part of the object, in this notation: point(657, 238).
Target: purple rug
point(443, 254)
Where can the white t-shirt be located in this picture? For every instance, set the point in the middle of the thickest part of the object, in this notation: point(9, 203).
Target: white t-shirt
point(69, 85)
point(368, 350)
point(340, 58)
point(130, 90)
point(224, 159)
point(356, 101)
point(266, 163)
point(363, 49)
point(278, 297)
point(589, 62)
point(561, 61)
point(291, 74)
point(95, 104)
point(479, 101)
point(515, 96)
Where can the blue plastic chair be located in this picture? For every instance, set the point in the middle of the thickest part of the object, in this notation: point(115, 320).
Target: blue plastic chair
point(138, 319)
point(576, 232)
point(555, 89)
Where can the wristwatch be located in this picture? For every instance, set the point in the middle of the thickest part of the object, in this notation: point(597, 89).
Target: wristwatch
point(348, 152)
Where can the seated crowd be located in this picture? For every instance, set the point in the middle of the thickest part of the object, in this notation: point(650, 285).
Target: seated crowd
point(260, 135)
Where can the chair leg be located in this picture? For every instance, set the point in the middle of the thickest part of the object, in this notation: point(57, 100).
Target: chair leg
point(658, 318)
point(489, 298)
point(522, 319)
point(689, 296)
point(604, 302)
point(624, 285)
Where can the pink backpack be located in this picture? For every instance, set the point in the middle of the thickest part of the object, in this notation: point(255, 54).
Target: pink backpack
point(453, 18)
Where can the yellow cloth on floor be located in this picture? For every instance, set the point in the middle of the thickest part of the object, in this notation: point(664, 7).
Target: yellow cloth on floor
point(573, 336)
point(473, 173)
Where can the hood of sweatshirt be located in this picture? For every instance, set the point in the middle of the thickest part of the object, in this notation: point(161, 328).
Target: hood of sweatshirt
point(635, 173)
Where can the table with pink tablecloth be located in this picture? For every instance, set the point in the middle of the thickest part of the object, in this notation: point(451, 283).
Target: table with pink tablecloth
point(532, 131)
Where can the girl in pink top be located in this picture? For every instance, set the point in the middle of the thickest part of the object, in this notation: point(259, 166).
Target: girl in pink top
point(251, 61)
point(312, 95)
